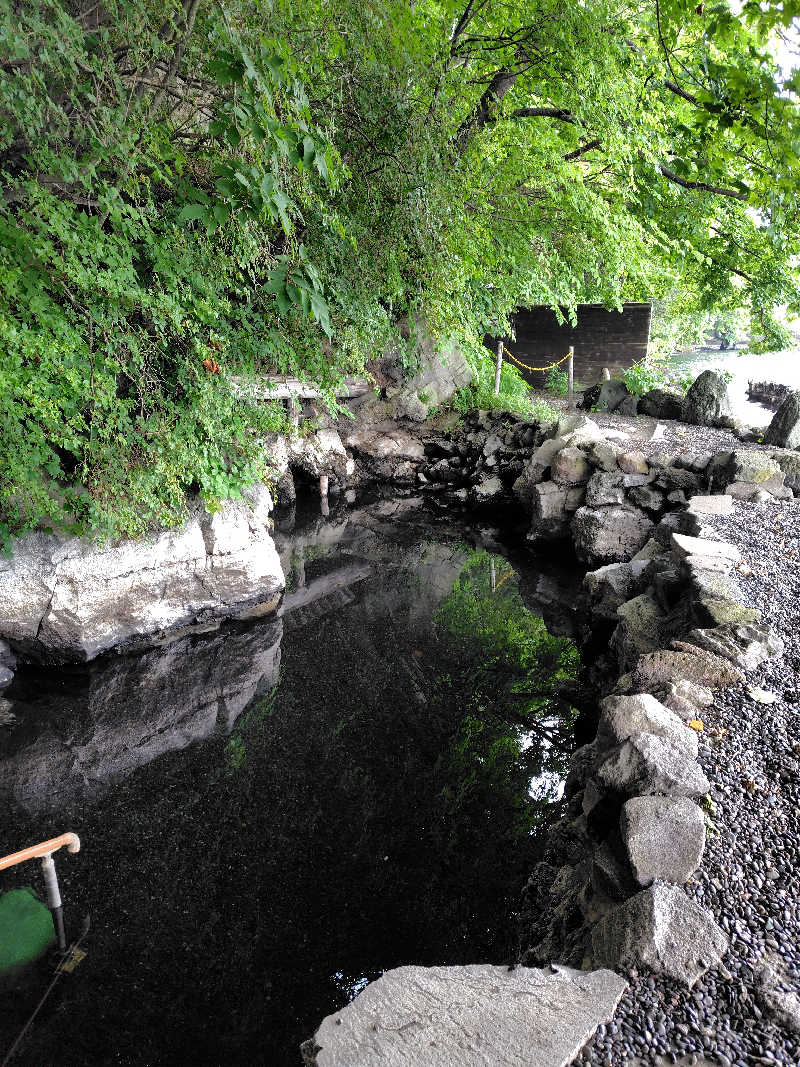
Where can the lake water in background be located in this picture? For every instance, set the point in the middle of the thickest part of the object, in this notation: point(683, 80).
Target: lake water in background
point(273, 814)
point(782, 367)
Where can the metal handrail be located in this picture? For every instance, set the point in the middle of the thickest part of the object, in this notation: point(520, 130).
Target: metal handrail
point(45, 848)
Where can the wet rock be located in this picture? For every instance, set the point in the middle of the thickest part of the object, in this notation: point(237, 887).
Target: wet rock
point(474, 1015)
point(609, 534)
point(784, 430)
point(664, 838)
point(581, 765)
point(658, 669)
point(633, 463)
point(570, 467)
point(8, 658)
point(662, 929)
point(707, 402)
point(748, 465)
point(645, 763)
point(661, 404)
point(622, 717)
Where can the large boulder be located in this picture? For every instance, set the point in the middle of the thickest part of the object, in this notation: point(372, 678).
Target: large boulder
point(661, 404)
point(655, 670)
point(707, 403)
point(471, 1016)
point(610, 586)
point(745, 644)
point(570, 467)
point(664, 838)
point(537, 470)
point(638, 631)
point(69, 599)
point(605, 487)
point(552, 510)
point(609, 534)
point(623, 716)
point(645, 763)
point(784, 430)
point(606, 396)
point(663, 929)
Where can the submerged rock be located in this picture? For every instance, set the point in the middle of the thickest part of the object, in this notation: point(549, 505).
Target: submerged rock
point(471, 1016)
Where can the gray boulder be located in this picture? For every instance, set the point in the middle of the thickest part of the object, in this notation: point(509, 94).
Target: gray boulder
point(610, 586)
point(633, 463)
point(645, 763)
point(605, 487)
point(607, 396)
point(550, 519)
point(661, 404)
point(638, 630)
point(486, 492)
point(784, 430)
point(657, 669)
point(609, 534)
point(789, 463)
point(663, 929)
point(69, 599)
point(745, 645)
point(604, 455)
point(536, 470)
point(471, 1016)
point(622, 717)
point(707, 403)
point(664, 838)
point(570, 467)
point(721, 504)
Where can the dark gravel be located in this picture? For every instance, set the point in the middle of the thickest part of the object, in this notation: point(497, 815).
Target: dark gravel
point(750, 875)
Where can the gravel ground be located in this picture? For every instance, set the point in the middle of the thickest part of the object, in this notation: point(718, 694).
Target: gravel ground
point(677, 436)
point(750, 874)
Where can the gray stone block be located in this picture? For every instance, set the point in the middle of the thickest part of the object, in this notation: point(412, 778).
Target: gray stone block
point(664, 838)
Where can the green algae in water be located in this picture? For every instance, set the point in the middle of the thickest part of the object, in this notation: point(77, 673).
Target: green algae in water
point(26, 928)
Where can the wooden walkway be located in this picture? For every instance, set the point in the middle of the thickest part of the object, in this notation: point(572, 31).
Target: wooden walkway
point(293, 390)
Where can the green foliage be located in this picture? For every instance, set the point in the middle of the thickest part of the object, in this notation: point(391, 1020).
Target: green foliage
point(190, 193)
point(557, 381)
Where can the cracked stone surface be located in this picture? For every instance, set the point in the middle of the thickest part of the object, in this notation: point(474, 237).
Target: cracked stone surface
point(474, 1016)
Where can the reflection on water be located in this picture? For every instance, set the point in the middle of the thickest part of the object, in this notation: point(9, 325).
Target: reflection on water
point(274, 813)
point(781, 367)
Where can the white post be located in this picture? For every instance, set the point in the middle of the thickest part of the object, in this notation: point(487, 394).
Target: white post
point(498, 368)
point(570, 373)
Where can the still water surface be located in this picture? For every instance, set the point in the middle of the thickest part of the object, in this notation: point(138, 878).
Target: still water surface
point(273, 814)
point(781, 367)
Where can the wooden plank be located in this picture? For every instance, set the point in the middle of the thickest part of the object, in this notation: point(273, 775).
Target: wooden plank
point(271, 388)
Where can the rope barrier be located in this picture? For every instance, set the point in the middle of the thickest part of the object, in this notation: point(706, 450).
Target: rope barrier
point(525, 365)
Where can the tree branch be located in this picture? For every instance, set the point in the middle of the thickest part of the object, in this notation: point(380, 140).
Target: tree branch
point(544, 113)
point(718, 190)
point(582, 150)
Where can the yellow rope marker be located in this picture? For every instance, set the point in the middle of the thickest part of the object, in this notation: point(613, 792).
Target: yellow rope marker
point(503, 579)
point(525, 366)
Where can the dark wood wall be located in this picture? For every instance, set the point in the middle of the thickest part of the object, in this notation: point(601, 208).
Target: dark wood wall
point(601, 338)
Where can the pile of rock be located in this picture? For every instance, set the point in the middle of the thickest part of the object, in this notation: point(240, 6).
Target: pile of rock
point(608, 891)
point(707, 402)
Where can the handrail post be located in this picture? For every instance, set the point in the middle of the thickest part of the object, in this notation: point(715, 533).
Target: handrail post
point(54, 899)
point(498, 368)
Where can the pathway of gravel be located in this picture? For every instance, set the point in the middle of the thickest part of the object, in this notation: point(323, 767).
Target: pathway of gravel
point(750, 875)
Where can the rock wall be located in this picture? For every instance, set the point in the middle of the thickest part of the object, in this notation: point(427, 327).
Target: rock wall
point(67, 599)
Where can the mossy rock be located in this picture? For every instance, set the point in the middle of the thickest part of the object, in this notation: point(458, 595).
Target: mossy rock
point(26, 929)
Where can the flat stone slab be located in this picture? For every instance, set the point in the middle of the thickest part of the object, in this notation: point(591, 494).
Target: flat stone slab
point(474, 1016)
point(683, 545)
point(722, 504)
